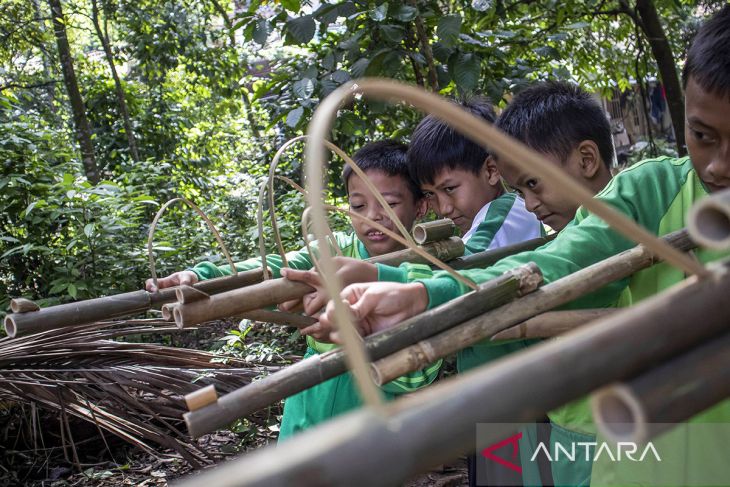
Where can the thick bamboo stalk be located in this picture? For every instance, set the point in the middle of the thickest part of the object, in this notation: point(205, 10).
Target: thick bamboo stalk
point(239, 301)
point(97, 309)
point(552, 323)
point(491, 257)
point(444, 250)
point(318, 368)
point(550, 296)
point(428, 232)
point(275, 291)
point(651, 403)
point(709, 221)
point(364, 449)
point(22, 305)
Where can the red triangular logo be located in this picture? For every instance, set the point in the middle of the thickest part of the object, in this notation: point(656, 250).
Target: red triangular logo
point(488, 452)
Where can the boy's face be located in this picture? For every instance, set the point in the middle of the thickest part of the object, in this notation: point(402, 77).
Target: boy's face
point(459, 194)
point(707, 132)
point(549, 204)
point(397, 193)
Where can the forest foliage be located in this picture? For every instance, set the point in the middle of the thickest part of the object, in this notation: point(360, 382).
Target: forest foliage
point(153, 99)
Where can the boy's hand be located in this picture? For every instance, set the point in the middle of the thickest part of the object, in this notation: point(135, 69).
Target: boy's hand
point(349, 271)
point(374, 306)
point(177, 279)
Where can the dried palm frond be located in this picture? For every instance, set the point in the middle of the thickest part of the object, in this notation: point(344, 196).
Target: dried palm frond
point(133, 390)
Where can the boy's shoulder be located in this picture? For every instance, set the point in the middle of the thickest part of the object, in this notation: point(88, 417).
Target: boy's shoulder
point(663, 174)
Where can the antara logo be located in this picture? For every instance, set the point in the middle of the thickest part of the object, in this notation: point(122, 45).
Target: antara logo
point(623, 450)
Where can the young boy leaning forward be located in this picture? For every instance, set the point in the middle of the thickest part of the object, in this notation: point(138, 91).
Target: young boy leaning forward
point(657, 193)
point(384, 162)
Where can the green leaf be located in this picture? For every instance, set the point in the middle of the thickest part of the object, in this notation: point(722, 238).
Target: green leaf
point(393, 33)
point(303, 88)
point(291, 5)
point(302, 29)
point(448, 29)
point(547, 51)
point(379, 13)
point(72, 290)
point(89, 229)
point(466, 71)
point(357, 70)
point(577, 25)
point(261, 31)
point(293, 117)
point(405, 13)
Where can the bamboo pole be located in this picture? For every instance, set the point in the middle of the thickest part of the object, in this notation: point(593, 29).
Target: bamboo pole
point(280, 318)
point(444, 250)
point(552, 323)
point(427, 232)
point(709, 221)
point(275, 291)
point(491, 257)
point(318, 368)
point(97, 309)
point(364, 449)
point(548, 297)
point(653, 402)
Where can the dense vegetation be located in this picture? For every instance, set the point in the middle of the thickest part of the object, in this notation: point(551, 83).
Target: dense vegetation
point(108, 109)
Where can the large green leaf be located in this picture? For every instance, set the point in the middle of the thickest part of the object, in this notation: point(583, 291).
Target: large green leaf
point(393, 33)
point(466, 71)
point(291, 5)
point(293, 117)
point(357, 70)
point(379, 13)
point(302, 29)
point(448, 29)
point(405, 13)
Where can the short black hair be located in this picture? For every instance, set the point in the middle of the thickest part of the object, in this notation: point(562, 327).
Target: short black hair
point(436, 146)
point(553, 117)
point(708, 58)
point(386, 155)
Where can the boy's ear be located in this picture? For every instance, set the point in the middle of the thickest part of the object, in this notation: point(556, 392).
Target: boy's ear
point(490, 166)
point(421, 208)
point(590, 159)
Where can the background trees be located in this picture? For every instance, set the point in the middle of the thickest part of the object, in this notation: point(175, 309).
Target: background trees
point(107, 109)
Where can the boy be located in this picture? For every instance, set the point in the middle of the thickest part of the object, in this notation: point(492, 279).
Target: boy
point(657, 193)
point(384, 162)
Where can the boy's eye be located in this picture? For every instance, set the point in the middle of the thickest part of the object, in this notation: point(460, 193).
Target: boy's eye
point(449, 189)
point(531, 183)
point(357, 207)
point(393, 204)
point(701, 136)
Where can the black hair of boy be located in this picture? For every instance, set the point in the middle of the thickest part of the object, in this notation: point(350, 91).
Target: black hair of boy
point(554, 117)
point(708, 59)
point(388, 156)
point(436, 146)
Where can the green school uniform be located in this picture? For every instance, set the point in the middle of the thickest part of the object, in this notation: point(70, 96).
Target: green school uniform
point(339, 394)
point(657, 194)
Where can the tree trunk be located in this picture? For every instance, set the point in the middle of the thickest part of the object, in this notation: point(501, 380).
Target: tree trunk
point(662, 51)
point(118, 89)
point(81, 124)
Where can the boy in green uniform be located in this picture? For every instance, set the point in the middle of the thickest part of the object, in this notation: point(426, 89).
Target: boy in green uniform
point(656, 193)
point(384, 162)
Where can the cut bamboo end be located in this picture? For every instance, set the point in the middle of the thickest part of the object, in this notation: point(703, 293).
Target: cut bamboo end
point(10, 327)
point(619, 415)
point(167, 310)
point(188, 294)
point(201, 398)
point(424, 233)
point(709, 221)
point(22, 305)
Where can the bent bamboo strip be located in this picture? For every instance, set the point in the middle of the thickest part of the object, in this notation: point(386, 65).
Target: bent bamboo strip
point(364, 449)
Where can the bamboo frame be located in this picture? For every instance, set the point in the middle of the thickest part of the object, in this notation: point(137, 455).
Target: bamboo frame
point(709, 221)
point(363, 449)
point(487, 258)
point(318, 368)
point(653, 402)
